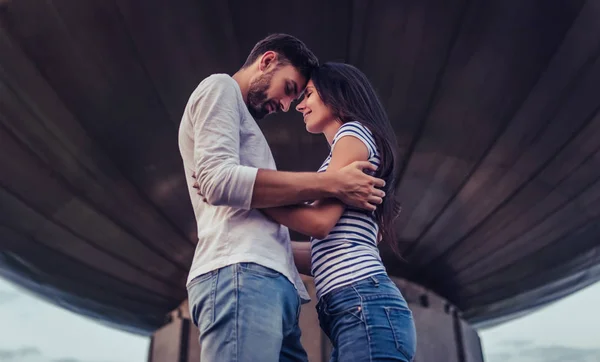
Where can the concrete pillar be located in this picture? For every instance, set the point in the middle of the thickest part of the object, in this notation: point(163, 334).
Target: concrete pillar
point(176, 341)
point(442, 336)
point(472, 343)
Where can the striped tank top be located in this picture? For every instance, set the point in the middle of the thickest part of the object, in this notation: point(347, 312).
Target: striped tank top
point(349, 253)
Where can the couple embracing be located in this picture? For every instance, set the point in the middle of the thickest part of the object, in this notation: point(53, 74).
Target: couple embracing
point(244, 287)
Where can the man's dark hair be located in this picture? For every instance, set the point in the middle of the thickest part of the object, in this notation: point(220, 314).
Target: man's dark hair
point(290, 50)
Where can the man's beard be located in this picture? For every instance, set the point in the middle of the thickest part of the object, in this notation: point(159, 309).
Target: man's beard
point(257, 96)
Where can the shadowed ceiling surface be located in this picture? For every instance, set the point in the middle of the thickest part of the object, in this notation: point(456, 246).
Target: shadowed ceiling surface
point(495, 105)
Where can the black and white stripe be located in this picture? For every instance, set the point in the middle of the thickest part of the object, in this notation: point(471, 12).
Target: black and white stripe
point(349, 253)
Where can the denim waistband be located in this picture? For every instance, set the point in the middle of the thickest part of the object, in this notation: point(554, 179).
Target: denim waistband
point(375, 284)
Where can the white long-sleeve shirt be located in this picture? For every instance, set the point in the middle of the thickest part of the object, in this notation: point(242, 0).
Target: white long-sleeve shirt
point(221, 142)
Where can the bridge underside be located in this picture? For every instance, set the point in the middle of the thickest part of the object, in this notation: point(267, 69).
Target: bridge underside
point(494, 104)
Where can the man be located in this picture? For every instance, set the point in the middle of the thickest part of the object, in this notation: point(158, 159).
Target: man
point(243, 288)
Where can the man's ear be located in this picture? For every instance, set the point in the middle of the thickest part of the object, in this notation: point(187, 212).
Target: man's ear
point(267, 61)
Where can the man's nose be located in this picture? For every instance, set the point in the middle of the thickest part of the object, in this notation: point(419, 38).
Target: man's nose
point(285, 105)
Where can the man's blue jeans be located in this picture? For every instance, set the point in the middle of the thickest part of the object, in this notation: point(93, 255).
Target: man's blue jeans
point(246, 312)
point(368, 321)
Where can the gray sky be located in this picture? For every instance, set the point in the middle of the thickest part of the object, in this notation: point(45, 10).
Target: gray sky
point(566, 331)
point(32, 330)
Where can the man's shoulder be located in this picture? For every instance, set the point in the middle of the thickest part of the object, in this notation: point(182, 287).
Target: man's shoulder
point(218, 81)
point(216, 86)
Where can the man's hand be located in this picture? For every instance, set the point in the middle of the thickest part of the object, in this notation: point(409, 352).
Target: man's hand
point(356, 188)
point(197, 187)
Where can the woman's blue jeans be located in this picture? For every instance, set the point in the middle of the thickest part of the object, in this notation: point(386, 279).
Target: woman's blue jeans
point(368, 321)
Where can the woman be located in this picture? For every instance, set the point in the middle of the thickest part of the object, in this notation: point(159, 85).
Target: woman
point(360, 309)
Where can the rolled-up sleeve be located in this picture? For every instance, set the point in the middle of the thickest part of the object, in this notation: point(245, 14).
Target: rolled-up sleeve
point(215, 116)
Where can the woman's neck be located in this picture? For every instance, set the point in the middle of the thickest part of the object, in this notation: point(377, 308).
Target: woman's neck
point(331, 129)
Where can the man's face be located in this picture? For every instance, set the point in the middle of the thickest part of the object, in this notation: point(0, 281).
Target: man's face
point(274, 90)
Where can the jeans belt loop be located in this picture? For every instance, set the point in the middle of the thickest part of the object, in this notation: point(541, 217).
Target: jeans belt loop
point(375, 281)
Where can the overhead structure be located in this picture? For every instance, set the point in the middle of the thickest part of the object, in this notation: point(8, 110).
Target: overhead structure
point(495, 105)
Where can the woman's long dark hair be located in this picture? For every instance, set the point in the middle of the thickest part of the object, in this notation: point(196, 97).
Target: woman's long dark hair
point(351, 98)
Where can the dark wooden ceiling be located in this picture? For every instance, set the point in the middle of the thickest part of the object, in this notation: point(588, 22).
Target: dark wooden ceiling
point(495, 105)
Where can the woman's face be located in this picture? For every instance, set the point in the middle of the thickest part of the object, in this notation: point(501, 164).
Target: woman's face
point(317, 116)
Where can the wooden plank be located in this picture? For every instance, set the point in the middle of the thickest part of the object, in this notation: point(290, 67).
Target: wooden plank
point(579, 212)
point(406, 47)
point(39, 259)
point(58, 238)
point(40, 121)
point(547, 201)
point(45, 192)
point(33, 146)
point(476, 215)
point(179, 44)
point(491, 70)
point(324, 30)
point(103, 85)
point(537, 268)
point(564, 135)
point(569, 283)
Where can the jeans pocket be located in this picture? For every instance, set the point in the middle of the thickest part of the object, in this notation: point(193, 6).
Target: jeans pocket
point(403, 328)
point(335, 320)
point(200, 278)
point(344, 304)
point(201, 300)
point(355, 311)
point(257, 269)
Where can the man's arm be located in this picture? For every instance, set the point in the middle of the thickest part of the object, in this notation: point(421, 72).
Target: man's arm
point(215, 117)
point(221, 180)
point(350, 184)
